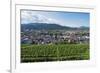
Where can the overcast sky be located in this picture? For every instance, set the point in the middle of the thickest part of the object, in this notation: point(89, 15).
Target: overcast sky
point(72, 19)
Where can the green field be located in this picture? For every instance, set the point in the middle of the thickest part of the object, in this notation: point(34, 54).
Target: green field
point(42, 53)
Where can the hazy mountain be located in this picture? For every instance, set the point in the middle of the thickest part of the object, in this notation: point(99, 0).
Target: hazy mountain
point(84, 27)
point(48, 26)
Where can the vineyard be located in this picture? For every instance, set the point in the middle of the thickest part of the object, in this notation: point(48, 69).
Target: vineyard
point(42, 53)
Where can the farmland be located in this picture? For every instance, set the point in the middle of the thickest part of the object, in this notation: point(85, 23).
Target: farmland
point(54, 52)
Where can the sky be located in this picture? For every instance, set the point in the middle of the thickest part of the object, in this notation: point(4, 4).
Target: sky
point(72, 19)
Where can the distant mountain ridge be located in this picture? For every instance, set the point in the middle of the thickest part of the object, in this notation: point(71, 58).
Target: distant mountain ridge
point(49, 26)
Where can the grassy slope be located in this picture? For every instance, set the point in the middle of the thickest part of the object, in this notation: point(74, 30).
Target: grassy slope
point(38, 53)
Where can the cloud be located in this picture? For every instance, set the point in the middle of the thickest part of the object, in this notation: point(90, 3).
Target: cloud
point(35, 17)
